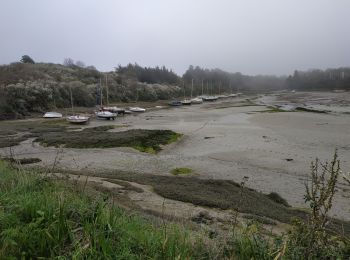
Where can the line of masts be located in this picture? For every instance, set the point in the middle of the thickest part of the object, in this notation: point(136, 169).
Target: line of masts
point(209, 89)
point(101, 92)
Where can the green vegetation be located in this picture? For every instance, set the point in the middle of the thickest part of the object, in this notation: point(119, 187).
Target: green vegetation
point(311, 80)
point(217, 81)
point(305, 109)
point(14, 132)
point(7, 141)
point(57, 133)
point(181, 171)
point(260, 219)
point(46, 218)
point(223, 194)
point(27, 59)
point(278, 199)
point(27, 87)
point(272, 109)
point(21, 160)
point(126, 185)
point(54, 218)
point(98, 137)
point(149, 75)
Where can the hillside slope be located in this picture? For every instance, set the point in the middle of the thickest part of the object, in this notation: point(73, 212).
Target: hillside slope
point(26, 88)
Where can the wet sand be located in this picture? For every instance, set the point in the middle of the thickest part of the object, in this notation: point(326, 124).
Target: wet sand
point(224, 143)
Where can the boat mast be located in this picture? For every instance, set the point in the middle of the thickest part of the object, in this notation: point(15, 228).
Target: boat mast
point(71, 99)
point(101, 92)
point(107, 91)
point(184, 89)
point(191, 88)
point(202, 87)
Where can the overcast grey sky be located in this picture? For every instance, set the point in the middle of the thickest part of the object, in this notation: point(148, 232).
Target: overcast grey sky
point(250, 36)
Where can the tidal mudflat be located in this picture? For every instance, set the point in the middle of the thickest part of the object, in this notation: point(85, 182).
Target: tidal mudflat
point(231, 140)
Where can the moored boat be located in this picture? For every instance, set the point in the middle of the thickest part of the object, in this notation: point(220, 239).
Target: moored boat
point(186, 102)
point(197, 100)
point(106, 115)
point(52, 115)
point(118, 110)
point(209, 98)
point(137, 109)
point(175, 103)
point(78, 119)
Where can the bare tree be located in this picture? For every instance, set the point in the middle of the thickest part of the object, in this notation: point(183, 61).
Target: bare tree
point(68, 62)
point(80, 64)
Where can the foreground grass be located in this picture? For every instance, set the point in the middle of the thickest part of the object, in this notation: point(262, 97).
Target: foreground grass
point(45, 218)
point(50, 218)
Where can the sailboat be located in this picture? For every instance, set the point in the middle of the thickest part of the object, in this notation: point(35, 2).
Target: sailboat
point(185, 101)
point(197, 100)
point(52, 115)
point(137, 109)
point(105, 113)
point(75, 118)
point(211, 97)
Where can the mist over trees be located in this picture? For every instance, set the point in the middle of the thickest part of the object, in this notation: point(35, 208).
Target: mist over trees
point(39, 87)
point(217, 81)
point(330, 79)
point(27, 86)
point(149, 75)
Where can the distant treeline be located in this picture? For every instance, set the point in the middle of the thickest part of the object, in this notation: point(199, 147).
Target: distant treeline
point(27, 86)
point(149, 75)
point(329, 79)
point(38, 87)
point(217, 81)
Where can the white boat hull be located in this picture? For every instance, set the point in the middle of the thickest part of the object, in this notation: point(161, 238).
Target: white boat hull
point(78, 119)
point(106, 115)
point(52, 115)
point(186, 102)
point(197, 101)
point(137, 109)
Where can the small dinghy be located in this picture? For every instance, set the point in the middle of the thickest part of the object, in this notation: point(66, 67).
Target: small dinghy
point(52, 115)
point(186, 102)
point(175, 103)
point(137, 109)
point(197, 100)
point(106, 115)
point(77, 119)
point(210, 98)
point(117, 110)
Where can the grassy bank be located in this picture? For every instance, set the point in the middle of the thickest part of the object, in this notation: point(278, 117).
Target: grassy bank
point(43, 217)
point(48, 218)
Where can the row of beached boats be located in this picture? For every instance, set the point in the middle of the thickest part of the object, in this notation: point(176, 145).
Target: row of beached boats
point(109, 113)
point(199, 99)
point(104, 112)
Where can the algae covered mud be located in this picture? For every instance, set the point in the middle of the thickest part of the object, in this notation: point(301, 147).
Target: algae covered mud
point(231, 139)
